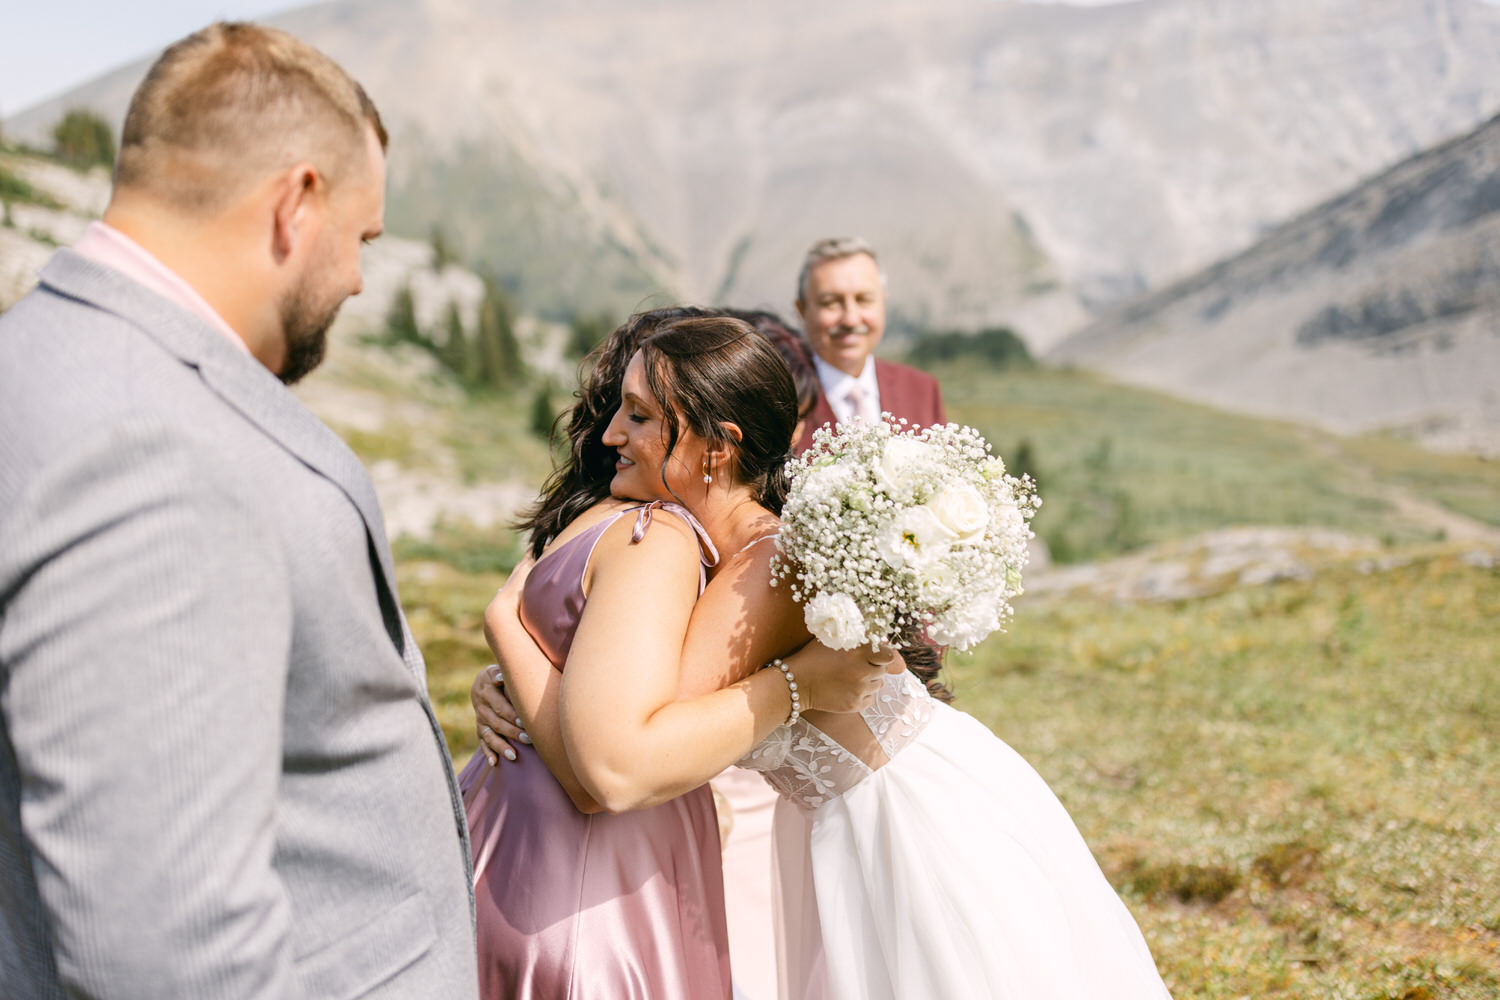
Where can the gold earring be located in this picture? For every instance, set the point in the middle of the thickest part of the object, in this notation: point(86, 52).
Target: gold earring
point(707, 476)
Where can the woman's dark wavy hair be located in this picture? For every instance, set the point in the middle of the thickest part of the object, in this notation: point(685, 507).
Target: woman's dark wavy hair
point(710, 368)
point(583, 478)
point(710, 371)
point(925, 661)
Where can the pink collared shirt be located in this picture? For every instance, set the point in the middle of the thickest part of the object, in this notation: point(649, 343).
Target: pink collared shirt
point(104, 244)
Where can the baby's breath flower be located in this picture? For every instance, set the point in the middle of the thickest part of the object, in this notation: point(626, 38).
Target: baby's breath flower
point(887, 525)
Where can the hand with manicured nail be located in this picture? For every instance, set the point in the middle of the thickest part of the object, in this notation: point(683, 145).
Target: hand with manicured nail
point(495, 718)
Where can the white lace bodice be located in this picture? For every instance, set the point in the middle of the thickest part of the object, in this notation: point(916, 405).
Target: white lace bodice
point(809, 767)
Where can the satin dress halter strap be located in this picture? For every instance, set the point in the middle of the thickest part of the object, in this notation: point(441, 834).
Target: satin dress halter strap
point(553, 597)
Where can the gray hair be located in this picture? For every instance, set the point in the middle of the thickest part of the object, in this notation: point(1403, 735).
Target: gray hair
point(834, 248)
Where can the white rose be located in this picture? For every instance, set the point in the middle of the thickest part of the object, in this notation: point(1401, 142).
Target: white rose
point(935, 583)
point(961, 509)
point(915, 538)
point(835, 621)
point(898, 469)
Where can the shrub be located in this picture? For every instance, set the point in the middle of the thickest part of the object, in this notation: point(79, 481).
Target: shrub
point(83, 139)
point(998, 347)
point(586, 333)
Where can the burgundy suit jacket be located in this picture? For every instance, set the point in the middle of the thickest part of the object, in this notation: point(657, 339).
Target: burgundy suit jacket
point(904, 391)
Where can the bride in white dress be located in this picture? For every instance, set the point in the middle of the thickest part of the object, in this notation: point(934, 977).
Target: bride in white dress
point(918, 856)
point(936, 863)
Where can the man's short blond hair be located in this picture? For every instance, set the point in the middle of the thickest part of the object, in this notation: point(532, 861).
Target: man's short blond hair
point(231, 103)
point(833, 248)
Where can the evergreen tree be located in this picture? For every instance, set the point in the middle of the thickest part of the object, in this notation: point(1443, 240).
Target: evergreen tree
point(442, 251)
point(998, 347)
point(83, 139)
point(401, 320)
point(1023, 462)
point(498, 352)
point(455, 353)
point(542, 412)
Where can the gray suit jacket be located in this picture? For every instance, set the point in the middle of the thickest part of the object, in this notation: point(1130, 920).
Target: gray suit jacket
point(220, 775)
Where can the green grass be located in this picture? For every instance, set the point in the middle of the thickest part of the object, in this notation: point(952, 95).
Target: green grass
point(492, 437)
point(15, 189)
point(445, 608)
point(1296, 787)
point(1460, 482)
point(1121, 467)
point(462, 547)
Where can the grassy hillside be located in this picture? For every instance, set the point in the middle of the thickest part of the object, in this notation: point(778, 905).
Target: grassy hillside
point(1122, 467)
point(1294, 786)
point(1119, 468)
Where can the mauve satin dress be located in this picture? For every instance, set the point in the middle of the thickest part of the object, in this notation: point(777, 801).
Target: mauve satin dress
point(626, 906)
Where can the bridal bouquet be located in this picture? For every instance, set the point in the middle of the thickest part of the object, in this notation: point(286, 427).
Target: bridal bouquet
point(888, 526)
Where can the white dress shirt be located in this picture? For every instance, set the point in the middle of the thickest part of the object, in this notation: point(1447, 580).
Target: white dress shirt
point(836, 385)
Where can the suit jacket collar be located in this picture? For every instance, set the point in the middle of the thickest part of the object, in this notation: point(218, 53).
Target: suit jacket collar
point(237, 377)
point(822, 411)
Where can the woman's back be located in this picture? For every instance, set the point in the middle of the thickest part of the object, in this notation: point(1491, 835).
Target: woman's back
point(577, 905)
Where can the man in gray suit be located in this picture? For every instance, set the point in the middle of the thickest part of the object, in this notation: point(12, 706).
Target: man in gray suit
point(220, 775)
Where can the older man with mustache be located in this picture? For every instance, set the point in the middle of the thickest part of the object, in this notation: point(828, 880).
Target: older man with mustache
point(841, 299)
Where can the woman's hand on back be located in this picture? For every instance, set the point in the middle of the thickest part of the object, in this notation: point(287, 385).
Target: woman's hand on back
point(496, 721)
point(833, 680)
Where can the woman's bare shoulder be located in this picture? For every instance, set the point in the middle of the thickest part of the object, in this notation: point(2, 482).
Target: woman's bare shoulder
point(601, 511)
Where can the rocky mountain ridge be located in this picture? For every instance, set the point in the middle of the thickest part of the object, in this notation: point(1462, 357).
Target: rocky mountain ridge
point(1016, 163)
point(1378, 310)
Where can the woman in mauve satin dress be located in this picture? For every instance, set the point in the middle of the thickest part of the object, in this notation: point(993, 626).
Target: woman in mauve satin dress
point(597, 869)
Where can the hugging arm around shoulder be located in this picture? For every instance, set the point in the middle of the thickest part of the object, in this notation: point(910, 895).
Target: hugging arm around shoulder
point(144, 644)
point(534, 686)
point(646, 713)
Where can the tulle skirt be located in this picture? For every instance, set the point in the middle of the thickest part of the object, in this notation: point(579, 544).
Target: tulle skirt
point(952, 872)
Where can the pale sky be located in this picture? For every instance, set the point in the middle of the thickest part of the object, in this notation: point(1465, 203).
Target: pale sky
point(49, 46)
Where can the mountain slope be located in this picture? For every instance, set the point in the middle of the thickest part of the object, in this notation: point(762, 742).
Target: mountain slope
point(445, 463)
point(1377, 310)
point(1015, 162)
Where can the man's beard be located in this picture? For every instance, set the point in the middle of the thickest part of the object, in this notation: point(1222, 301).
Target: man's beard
point(305, 328)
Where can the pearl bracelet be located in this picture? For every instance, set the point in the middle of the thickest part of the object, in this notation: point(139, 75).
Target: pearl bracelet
point(791, 684)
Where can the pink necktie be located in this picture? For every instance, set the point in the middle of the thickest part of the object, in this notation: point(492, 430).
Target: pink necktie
point(859, 401)
point(854, 399)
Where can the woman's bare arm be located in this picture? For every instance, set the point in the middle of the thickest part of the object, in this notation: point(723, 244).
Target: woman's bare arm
point(631, 742)
point(534, 687)
point(740, 624)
